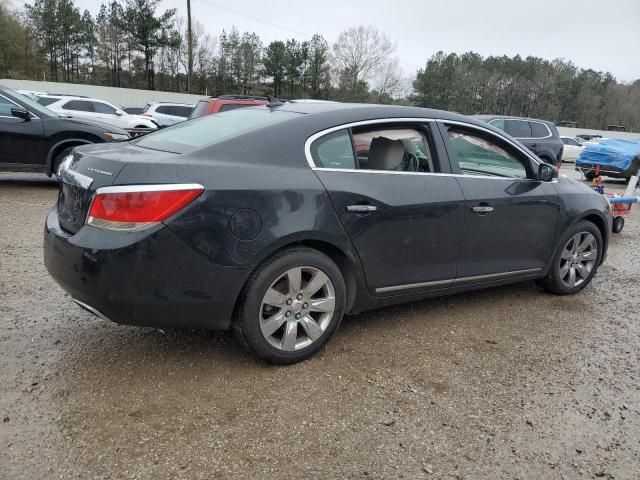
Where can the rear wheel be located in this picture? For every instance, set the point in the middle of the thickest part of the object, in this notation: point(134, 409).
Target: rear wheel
point(577, 260)
point(291, 306)
point(590, 175)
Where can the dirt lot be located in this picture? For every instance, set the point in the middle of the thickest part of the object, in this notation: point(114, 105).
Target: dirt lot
point(503, 383)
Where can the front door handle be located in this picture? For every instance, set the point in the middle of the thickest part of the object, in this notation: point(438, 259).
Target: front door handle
point(482, 209)
point(361, 208)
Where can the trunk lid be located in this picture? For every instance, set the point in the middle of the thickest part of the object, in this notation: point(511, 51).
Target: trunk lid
point(92, 167)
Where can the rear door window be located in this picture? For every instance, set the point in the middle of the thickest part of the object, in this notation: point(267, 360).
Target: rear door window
point(403, 149)
point(517, 128)
point(539, 130)
point(165, 109)
point(79, 106)
point(334, 151)
point(182, 111)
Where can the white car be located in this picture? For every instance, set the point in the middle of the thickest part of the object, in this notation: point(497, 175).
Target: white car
point(94, 109)
point(166, 114)
point(572, 149)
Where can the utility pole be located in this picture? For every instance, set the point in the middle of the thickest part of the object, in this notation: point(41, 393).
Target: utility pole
point(189, 48)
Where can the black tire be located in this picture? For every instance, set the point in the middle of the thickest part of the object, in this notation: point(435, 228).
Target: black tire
point(553, 282)
point(59, 158)
point(618, 224)
point(249, 310)
point(590, 175)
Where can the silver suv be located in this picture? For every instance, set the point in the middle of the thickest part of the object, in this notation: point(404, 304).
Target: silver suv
point(166, 114)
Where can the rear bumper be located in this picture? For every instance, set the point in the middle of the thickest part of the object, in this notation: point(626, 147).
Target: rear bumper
point(148, 278)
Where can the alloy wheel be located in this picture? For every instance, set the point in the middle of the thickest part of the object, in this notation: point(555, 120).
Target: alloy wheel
point(578, 259)
point(297, 308)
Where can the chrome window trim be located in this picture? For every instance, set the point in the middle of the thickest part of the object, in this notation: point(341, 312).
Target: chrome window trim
point(377, 121)
point(322, 133)
point(33, 115)
point(453, 281)
point(505, 139)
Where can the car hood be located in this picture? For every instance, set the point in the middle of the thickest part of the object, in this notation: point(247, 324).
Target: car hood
point(91, 123)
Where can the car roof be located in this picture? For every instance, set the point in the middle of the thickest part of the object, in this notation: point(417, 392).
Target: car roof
point(509, 117)
point(367, 111)
point(171, 103)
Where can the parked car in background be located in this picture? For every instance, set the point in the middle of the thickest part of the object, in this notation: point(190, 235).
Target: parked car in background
point(166, 114)
point(539, 136)
point(133, 110)
point(35, 139)
point(611, 157)
point(266, 220)
point(588, 136)
point(224, 103)
point(94, 109)
point(572, 149)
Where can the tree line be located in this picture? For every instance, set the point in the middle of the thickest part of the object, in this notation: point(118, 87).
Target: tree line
point(136, 44)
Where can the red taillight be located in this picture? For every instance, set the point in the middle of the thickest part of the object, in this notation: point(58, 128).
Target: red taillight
point(137, 207)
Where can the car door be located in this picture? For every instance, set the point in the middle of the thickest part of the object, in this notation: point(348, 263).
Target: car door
point(108, 114)
point(21, 141)
point(510, 216)
point(404, 217)
point(80, 109)
point(571, 149)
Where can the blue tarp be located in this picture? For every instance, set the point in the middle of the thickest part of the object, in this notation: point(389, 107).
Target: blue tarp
point(610, 153)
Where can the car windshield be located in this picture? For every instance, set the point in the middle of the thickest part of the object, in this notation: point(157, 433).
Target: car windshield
point(212, 129)
point(34, 106)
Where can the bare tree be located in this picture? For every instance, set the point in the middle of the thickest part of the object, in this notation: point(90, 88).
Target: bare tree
point(359, 52)
point(388, 81)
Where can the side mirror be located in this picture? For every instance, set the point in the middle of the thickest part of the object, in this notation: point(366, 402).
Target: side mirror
point(20, 112)
point(119, 113)
point(547, 172)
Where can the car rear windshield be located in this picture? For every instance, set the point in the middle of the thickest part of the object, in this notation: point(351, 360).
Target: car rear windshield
point(206, 131)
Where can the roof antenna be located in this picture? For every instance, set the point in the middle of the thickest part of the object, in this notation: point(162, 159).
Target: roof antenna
point(274, 102)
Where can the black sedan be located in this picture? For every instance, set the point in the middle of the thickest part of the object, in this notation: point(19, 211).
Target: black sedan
point(35, 139)
point(278, 220)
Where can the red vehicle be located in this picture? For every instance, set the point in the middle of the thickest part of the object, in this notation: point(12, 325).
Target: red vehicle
point(209, 106)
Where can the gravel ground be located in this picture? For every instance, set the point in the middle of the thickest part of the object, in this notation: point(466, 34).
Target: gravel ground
point(503, 383)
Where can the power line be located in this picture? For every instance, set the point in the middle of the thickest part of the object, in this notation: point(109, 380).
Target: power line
point(257, 19)
point(260, 20)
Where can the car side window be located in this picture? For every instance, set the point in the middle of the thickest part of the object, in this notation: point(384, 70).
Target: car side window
point(517, 128)
point(5, 107)
point(498, 123)
point(165, 109)
point(103, 108)
point(181, 111)
point(334, 151)
point(539, 130)
point(479, 154)
point(393, 148)
point(78, 106)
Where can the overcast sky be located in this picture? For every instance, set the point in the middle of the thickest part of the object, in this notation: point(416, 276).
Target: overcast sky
point(598, 34)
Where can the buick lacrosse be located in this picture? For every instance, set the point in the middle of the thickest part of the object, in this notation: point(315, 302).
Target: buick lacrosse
point(277, 220)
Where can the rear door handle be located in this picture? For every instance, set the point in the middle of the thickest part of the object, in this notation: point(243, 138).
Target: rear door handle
point(361, 208)
point(482, 209)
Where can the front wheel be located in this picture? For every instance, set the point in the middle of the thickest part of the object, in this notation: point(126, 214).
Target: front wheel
point(576, 261)
point(58, 160)
point(291, 306)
